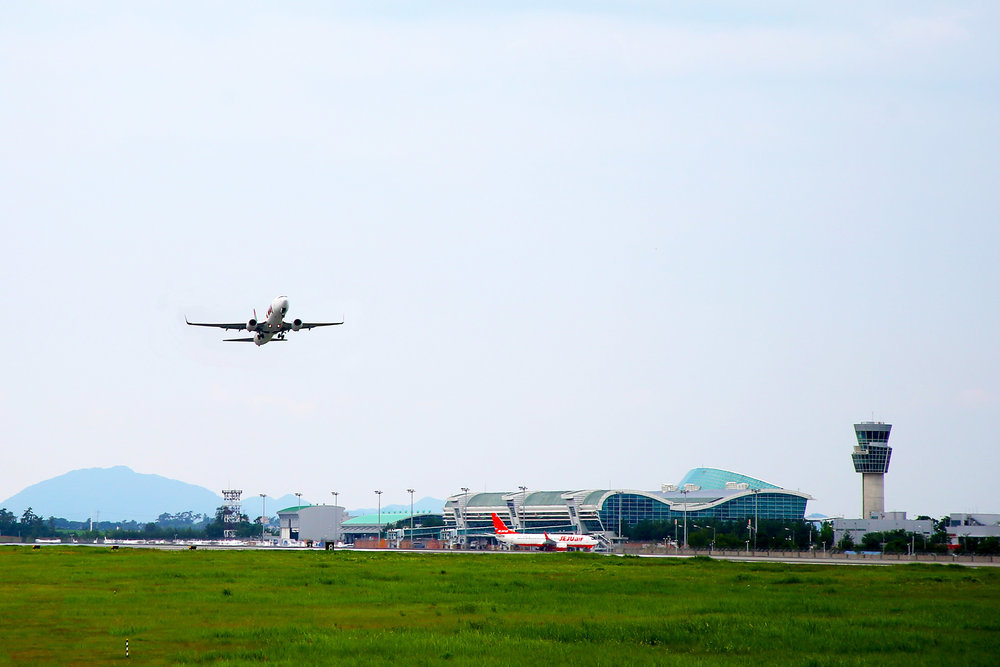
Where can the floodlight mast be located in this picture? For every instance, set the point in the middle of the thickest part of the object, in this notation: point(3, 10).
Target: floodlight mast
point(712, 548)
point(685, 492)
point(411, 517)
point(298, 509)
point(464, 525)
point(378, 539)
point(263, 514)
point(620, 518)
point(755, 493)
point(336, 533)
point(524, 497)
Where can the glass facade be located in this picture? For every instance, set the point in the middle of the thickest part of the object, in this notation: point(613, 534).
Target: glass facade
point(634, 508)
point(603, 510)
point(868, 433)
point(873, 452)
point(873, 458)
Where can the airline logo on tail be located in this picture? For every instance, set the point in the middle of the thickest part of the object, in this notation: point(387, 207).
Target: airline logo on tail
point(500, 527)
point(554, 542)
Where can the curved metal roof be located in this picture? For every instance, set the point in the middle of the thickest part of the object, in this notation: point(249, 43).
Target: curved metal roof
point(595, 497)
point(712, 481)
point(546, 498)
point(486, 500)
point(716, 478)
point(386, 517)
point(294, 508)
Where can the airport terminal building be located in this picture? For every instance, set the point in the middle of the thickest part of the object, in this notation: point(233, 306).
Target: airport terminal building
point(704, 493)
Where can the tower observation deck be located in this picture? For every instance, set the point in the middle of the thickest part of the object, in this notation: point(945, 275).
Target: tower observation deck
point(871, 459)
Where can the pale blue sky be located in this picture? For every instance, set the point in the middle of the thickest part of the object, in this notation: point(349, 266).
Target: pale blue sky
point(575, 247)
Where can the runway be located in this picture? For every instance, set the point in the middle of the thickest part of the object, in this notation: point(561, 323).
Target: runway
point(801, 558)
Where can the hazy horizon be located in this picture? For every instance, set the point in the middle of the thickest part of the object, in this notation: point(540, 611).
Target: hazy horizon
point(82, 494)
point(576, 246)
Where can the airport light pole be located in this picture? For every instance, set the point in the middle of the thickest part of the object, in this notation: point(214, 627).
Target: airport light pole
point(263, 515)
point(298, 506)
point(336, 532)
point(378, 539)
point(524, 497)
point(620, 515)
point(755, 493)
point(685, 492)
point(713, 535)
point(465, 495)
point(411, 517)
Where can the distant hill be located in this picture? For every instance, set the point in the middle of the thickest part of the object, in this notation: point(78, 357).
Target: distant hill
point(117, 493)
point(427, 504)
point(121, 494)
point(251, 504)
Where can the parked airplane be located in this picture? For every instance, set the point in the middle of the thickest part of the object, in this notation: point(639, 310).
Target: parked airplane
point(547, 541)
point(273, 327)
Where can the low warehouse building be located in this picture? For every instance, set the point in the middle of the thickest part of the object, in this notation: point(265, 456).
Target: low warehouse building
point(316, 523)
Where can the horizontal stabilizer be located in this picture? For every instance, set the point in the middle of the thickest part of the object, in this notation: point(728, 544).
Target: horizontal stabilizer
point(237, 340)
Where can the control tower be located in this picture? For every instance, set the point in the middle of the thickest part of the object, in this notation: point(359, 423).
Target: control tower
point(871, 459)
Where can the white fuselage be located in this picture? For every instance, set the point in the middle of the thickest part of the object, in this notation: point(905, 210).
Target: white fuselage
point(277, 310)
point(548, 540)
point(265, 331)
point(272, 327)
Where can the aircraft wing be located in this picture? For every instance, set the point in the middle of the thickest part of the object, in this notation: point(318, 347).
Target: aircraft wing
point(287, 326)
point(226, 325)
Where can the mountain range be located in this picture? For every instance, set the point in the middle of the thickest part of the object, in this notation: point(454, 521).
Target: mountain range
point(121, 494)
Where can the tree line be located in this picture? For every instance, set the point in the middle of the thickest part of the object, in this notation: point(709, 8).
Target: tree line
point(773, 534)
point(800, 535)
point(182, 526)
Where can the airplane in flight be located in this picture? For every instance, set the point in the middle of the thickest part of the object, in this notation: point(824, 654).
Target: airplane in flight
point(546, 541)
point(272, 327)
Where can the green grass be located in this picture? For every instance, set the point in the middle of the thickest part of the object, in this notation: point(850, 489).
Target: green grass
point(79, 605)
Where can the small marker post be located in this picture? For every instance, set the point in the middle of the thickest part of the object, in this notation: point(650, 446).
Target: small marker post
point(126, 648)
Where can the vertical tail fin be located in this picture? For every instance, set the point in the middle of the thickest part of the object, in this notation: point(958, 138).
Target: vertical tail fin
point(499, 526)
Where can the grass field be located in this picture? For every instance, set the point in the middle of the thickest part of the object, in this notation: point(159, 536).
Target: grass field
point(78, 605)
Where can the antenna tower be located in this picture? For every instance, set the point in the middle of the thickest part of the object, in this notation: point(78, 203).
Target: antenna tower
point(232, 512)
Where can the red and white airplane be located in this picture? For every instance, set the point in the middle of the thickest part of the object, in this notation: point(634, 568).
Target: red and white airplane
point(547, 541)
point(273, 327)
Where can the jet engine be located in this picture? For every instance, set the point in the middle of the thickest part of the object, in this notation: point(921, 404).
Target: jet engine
point(296, 324)
point(252, 324)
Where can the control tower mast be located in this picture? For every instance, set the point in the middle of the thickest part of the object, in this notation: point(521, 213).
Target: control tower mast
point(232, 513)
point(871, 459)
